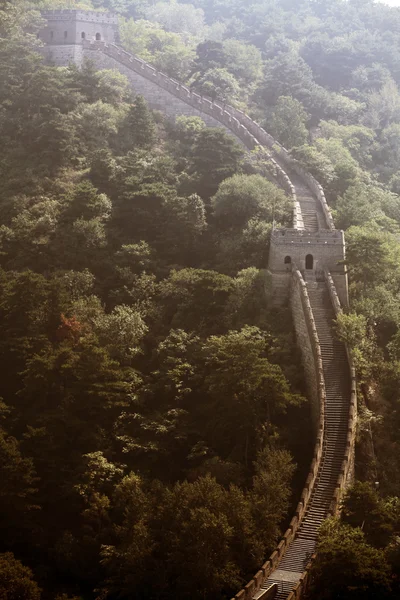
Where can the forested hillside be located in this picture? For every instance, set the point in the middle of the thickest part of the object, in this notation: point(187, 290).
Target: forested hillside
point(152, 399)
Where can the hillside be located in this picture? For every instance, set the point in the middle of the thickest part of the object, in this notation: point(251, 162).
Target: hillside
point(153, 408)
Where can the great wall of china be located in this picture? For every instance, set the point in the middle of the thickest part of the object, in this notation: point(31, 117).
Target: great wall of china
point(307, 270)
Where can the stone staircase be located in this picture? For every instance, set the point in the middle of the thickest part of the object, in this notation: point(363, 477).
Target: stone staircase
point(338, 387)
point(311, 210)
point(310, 220)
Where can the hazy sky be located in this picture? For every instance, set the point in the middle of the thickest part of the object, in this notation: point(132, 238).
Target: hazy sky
point(391, 2)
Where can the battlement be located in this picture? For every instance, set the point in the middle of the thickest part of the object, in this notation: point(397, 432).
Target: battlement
point(87, 16)
point(285, 236)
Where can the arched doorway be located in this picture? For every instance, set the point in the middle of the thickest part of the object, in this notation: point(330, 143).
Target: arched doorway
point(98, 36)
point(288, 260)
point(309, 261)
point(83, 35)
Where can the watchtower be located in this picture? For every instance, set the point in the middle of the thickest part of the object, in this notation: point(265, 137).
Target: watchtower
point(66, 30)
point(312, 253)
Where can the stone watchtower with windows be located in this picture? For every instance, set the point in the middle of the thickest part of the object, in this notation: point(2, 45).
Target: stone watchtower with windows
point(66, 30)
point(312, 253)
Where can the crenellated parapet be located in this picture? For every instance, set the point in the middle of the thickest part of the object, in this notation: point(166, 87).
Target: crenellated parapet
point(80, 15)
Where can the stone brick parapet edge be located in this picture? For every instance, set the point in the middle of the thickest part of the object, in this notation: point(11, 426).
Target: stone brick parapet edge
point(298, 236)
point(271, 564)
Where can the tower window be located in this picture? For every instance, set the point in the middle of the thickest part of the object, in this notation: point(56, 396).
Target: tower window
point(309, 261)
point(65, 35)
point(52, 35)
point(98, 36)
point(288, 260)
point(83, 35)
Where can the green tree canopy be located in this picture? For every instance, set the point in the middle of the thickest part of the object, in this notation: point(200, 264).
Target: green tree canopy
point(244, 197)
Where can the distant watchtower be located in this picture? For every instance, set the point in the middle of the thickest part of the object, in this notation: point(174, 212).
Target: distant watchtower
point(66, 30)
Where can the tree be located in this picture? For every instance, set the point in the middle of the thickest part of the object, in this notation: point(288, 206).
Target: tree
point(138, 127)
point(17, 492)
point(167, 51)
point(28, 239)
point(218, 84)
point(97, 123)
point(246, 392)
point(194, 299)
point(316, 163)
point(178, 18)
point(270, 494)
point(352, 329)
point(362, 507)
point(185, 223)
point(86, 203)
point(198, 537)
point(390, 148)
point(16, 580)
point(357, 139)
point(368, 255)
point(127, 564)
point(347, 566)
point(244, 197)
point(287, 74)
point(215, 156)
point(244, 61)
point(288, 121)
point(248, 248)
point(361, 204)
point(210, 55)
point(121, 332)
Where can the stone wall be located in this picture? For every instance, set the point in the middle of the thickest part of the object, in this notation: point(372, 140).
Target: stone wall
point(307, 341)
point(157, 97)
point(64, 54)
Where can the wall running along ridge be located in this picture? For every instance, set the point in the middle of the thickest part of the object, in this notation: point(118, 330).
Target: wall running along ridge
point(327, 244)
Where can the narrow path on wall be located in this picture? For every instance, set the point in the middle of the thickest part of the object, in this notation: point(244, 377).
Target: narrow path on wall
point(311, 210)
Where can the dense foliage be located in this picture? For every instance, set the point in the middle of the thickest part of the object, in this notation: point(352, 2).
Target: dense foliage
point(133, 295)
point(358, 554)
